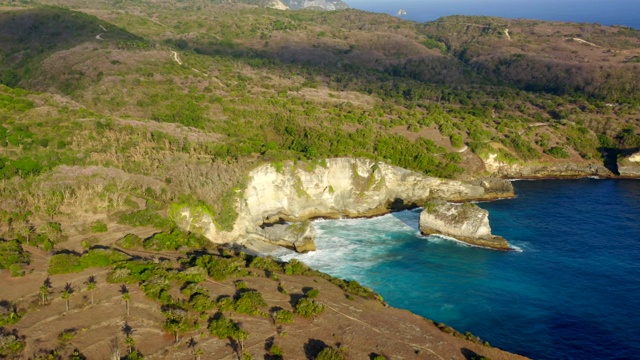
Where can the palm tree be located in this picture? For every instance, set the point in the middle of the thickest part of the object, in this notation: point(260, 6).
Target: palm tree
point(126, 296)
point(91, 286)
point(127, 330)
point(66, 293)
point(45, 290)
point(192, 343)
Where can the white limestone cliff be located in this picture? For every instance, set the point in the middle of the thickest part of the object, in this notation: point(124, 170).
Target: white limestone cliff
point(342, 187)
point(630, 166)
point(465, 222)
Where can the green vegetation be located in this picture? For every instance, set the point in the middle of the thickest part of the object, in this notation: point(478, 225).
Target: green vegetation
point(13, 257)
point(9, 313)
point(224, 328)
point(130, 241)
point(282, 316)
point(219, 268)
point(312, 293)
point(147, 217)
point(65, 263)
point(557, 152)
point(307, 308)
point(174, 240)
point(330, 353)
point(11, 345)
point(99, 227)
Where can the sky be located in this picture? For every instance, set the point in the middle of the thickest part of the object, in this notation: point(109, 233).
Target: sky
point(612, 12)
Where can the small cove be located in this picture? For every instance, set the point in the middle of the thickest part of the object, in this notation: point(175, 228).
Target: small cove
point(570, 291)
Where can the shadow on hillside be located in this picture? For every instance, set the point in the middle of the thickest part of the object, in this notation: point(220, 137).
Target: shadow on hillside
point(469, 354)
point(33, 34)
point(313, 347)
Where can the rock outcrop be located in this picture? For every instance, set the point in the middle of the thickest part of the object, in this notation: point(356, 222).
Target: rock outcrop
point(544, 170)
point(335, 188)
point(630, 166)
point(297, 236)
point(465, 222)
point(278, 5)
point(316, 4)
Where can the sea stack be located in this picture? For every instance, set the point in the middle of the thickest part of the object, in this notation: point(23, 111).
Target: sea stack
point(465, 222)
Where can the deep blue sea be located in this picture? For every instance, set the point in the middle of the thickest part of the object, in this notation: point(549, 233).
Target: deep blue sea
point(570, 291)
point(606, 12)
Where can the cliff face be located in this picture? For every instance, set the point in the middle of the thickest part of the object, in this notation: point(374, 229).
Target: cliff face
point(334, 188)
point(466, 222)
point(630, 166)
point(318, 4)
point(544, 170)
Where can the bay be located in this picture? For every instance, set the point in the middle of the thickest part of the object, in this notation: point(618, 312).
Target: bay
point(569, 290)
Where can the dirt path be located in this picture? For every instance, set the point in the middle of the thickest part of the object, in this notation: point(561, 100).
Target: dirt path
point(506, 32)
point(585, 42)
point(99, 36)
point(176, 58)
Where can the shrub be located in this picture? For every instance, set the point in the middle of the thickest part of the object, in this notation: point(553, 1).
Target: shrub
point(282, 316)
point(308, 308)
point(70, 263)
point(219, 268)
point(249, 303)
point(240, 285)
point(132, 272)
point(276, 351)
point(65, 263)
point(10, 344)
point(146, 217)
point(295, 267)
point(9, 314)
point(174, 240)
point(102, 258)
point(312, 293)
point(265, 264)
point(330, 354)
point(13, 256)
point(130, 241)
point(557, 152)
point(201, 302)
point(98, 227)
point(225, 328)
point(66, 335)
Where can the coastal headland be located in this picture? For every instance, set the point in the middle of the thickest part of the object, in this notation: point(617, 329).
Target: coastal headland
point(335, 188)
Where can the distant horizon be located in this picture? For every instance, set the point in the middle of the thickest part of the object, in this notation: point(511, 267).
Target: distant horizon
point(614, 12)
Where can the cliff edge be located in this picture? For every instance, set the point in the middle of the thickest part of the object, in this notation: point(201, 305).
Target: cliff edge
point(630, 166)
point(332, 188)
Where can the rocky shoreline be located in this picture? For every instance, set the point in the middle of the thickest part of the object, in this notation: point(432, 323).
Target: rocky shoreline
point(334, 188)
point(281, 198)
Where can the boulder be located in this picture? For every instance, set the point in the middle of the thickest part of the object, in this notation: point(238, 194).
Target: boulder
point(297, 236)
point(495, 188)
point(465, 222)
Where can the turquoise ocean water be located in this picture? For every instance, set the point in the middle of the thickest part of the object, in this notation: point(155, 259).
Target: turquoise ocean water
point(571, 290)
